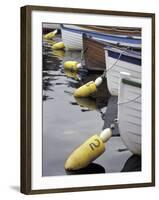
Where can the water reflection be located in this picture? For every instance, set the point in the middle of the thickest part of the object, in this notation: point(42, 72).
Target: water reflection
point(72, 74)
point(111, 114)
point(88, 103)
point(132, 164)
point(45, 97)
point(92, 168)
point(59, 53)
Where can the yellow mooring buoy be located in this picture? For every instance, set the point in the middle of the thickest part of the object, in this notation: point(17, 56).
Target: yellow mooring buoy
point(72, 65)
point(58, 46)
point(91, 149)
point(88, 89)
point(50, 35)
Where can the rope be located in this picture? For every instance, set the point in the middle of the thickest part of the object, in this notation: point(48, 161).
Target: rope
point(115, 121)
point(130, 100)
point(106, 70)
point(82, 55)
point(102, 114)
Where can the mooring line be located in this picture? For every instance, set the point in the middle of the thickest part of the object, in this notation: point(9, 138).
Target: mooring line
point(106, 70)
point(132, 100)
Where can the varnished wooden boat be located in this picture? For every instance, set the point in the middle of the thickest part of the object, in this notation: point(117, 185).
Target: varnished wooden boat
point(129, 112)
point(93, 54)
point(72, 37)
point(122, 31)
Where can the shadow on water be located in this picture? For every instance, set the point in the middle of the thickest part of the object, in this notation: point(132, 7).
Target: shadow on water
point(111, 114)
point(92, 168)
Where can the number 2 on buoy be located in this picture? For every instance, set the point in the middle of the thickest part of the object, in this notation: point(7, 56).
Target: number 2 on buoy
point(94, 145)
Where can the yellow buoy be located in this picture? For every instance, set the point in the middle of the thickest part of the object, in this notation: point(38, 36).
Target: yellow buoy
point(85, 90)
point(72, 65)
point(91, 149)
point(88, 89)
point(50, 35)
point(58, 45)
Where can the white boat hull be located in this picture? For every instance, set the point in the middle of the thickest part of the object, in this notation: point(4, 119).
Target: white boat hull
point(113, 73)
point(72, 41)
point(72, 37)
point(51, 26)
point(129, 116)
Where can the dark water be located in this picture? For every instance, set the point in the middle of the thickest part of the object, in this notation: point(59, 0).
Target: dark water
point(69, 121)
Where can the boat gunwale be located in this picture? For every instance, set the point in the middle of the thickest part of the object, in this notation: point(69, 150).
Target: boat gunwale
point(126, 52)
point(116, 30)
point(125, 57)
point(128, 40)
point(131, 82)
point(107, 45)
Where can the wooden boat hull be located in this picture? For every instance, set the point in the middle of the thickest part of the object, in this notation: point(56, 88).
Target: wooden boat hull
point(116, 30)
point(94, 54)
point(72, 37)
point(118, 61)
point(129, 113)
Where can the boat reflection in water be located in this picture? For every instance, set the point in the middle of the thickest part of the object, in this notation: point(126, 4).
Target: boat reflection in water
point(132, 164)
